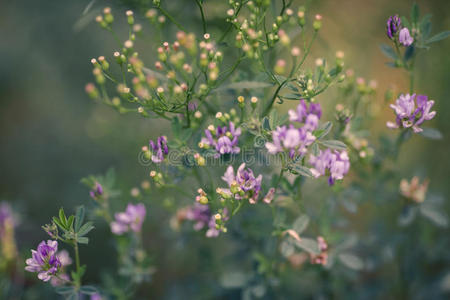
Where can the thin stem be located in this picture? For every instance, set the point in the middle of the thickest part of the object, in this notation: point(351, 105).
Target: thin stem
point(165, 13)
point(77, 262)
point(200, 6)
point(305, 55)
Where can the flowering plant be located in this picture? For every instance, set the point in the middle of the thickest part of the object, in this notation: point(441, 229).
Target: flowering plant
point(251, 168)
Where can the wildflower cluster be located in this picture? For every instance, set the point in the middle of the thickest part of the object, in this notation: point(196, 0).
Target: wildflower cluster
point(188, 85)
point(412, 111)
point(296, 140)
point(131, 219)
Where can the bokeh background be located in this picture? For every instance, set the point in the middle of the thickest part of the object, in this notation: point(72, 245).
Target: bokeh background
point(52, 134)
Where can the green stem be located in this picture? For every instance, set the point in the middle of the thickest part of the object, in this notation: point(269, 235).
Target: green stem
point(168, 16)
point(200, 6)
point(77, 263)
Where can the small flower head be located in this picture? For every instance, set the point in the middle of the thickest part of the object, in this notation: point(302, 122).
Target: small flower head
point(243, 184)
point(223, 138)
point(335, 162)
point(393, 26)
point(414, 190)
point(131, 219)
point(405, 38)
point(322, 258)
point(159, 149)
point(411, 111)
point(44, 260)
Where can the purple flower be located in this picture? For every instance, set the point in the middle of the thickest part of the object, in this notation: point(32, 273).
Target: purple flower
point(405, 38)
point(303, 111)
point(294, 140)
point(337, 163)
point(269, 196)
point(202, 216)
point(411, 111)
point(243, 184)
point(131, 219)
point(97, 191)
point(159, 149)
point(44, 260)
point(393, 26)
point(96, 296)
point(225, 139)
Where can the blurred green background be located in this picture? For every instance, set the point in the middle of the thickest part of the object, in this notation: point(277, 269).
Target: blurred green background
point(52, 134)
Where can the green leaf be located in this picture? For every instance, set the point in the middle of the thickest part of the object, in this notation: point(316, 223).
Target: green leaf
point(280, 78)
point(415, 13)
point(300, 224)
point(315, 149)
point(309, 245)
point(79, 218)
point(266, 124)
point(58, 222)
point(334, 144)
point(64, 290)
point(245, 85)
point(431, 133)
point(351, 261)
point(273, 118)
point(425, 25)
point(302, 170)
point(435, 215)
point(439, 36)
point(388, 51)
point(62, 217)
point(83, 240)
point(293, 96)
point(323, 130)
point(70, 222)
point(85, 229)
point(286, 248)
point(88, 290)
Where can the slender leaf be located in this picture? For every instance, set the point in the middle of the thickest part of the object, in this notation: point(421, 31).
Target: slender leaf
point(266, 124)
point(351, 261)
point(438, 37)
point(388, 51)
point(85, 229)
point(323, 130)
point(309, 245)
point(431, 133)
point(62, 217)
point(70, 222)
point(302, 170)
point(79, 218)
point(300, 224)
point(64, 290)
point(334, 144)
point(88, 290)
point(83, 240)
point(58, 222)
point(435, 215)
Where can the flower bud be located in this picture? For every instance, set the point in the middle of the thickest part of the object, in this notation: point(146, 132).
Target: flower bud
point(130, 17)
point(317, 22)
